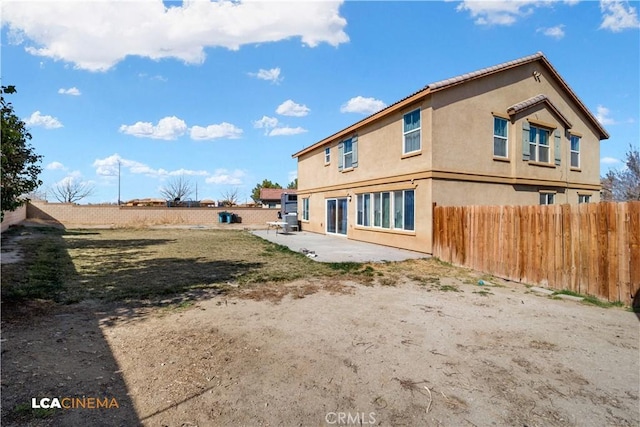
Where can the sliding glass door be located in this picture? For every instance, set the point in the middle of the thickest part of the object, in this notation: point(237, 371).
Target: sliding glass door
point(337, 216)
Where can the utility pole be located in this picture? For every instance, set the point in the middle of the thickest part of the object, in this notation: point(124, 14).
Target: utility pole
point(118, 182)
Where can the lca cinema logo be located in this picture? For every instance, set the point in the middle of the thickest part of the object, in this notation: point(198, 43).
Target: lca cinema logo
point(74, 403)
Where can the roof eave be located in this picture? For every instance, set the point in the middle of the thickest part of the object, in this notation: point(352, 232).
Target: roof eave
point(417, 96)
point(603, 132)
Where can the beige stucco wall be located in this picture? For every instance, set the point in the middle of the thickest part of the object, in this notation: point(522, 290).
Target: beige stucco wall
point(379, 149)
point(463, 128)
point(456, 165)
point(419, 240)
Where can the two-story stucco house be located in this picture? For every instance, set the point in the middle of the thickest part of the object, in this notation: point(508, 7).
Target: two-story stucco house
point(511, 134)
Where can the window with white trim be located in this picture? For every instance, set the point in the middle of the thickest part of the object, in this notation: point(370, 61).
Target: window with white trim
point(584, 198)
point(347, 154)
point(364, 209)
point(575, 151)
point(391, 210)
point(305, 209)
point(547, 198)
point(411, 132)
point(500, 129)
point(327, 155)
point(377, 209)
point(539, 144)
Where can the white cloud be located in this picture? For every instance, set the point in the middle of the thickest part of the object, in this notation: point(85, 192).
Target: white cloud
point(108, 167)
point(272, 127)
point(55, 166)
point(224, 176)
point(96, 35)
point(223, 130)
point(266, 122)
point(74, 91)
point(272, 75)
point(187, 172)
point(618, 15)
point(602, 114)
point(609, 160)
point(72, 178)
point(286, 131)
point(157, 77)
point(556, 32)
point(362, 105)
point(47, 122)
point(290, 108)
point(503, 12)
point(292, 175)
point(167, 128)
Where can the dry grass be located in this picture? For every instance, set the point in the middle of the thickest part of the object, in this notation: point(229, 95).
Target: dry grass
point(139, 263)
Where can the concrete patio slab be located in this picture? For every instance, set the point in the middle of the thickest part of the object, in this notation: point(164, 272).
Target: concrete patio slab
point(337, 249)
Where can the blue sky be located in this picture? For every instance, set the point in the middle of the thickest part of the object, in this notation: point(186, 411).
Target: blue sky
point(224, 92)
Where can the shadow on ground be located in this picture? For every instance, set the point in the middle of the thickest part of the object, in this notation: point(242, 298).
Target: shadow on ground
point(55, 351)
point(52, 312)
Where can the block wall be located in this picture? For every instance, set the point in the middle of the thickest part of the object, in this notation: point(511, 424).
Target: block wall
point(104, 215)
point(15, 217)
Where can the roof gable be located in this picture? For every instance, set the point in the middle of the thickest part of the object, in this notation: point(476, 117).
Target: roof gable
point(454, 81)
point(537, 100)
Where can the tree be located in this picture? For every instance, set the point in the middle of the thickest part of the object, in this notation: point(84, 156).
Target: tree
point(70, 190)
point(20, 163)
point(177, 188)
point(255, 193)
point(623, 185)
point(230, 197)
point(293, 184)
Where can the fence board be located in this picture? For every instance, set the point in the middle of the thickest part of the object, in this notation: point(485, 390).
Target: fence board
point(566, 247)
point(634, 247)
point(590, 248)
point(592, 288)
point(623, 252)
point(612, 253)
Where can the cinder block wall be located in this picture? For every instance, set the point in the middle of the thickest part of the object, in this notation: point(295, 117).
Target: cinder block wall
point(15, 217)
point(78, 215)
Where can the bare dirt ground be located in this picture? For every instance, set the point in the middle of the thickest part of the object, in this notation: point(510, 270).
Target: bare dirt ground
point(330, 352)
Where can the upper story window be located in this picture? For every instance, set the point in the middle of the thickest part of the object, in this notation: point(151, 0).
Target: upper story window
point(539, 144)
point(411, 132)
point(500, 137)
point(348, 154)
point(575, 151)
point(327, 155)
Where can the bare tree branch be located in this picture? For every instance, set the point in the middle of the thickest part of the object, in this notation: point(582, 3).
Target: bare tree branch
point(70, 191)
point(177, 188)
point(230, 197)
point(623, 185)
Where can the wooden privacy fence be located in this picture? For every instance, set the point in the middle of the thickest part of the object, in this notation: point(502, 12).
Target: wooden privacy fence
point(590, 248)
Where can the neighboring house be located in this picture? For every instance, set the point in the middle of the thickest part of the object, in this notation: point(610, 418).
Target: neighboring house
point(208, 203)
point(511, 134)
point(146, 202)
point(272, 197)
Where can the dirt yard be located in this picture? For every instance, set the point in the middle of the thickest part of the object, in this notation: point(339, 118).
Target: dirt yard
point(420, 344)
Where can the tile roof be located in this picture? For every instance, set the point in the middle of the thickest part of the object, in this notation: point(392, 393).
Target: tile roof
point(447, 83)
point(538, 99)
point(274, 193)
point(482, 72)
